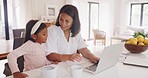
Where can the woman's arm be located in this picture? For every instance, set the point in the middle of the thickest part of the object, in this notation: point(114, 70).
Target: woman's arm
point(19, 75)
point(63, 57)
point(87, 54)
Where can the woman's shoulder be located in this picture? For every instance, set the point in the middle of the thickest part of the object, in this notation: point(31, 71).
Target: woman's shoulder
point(54, 29)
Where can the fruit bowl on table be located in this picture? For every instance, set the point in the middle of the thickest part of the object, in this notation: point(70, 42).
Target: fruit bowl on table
point(136, 48)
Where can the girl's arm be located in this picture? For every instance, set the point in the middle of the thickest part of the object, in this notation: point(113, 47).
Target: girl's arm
point(87, 54)
point(13, 56)
point(63, 57)
point(12, 61)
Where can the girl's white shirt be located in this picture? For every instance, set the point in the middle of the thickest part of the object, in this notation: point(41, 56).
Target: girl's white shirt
point(34, 56)
point(56, 42)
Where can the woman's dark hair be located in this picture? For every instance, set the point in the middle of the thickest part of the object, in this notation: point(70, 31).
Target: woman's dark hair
point(73, 12)
point(29, 26)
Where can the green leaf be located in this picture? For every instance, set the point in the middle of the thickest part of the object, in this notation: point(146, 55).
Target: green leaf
point(138, 33)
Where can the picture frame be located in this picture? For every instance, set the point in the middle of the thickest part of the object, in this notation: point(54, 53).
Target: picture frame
point(51, 11)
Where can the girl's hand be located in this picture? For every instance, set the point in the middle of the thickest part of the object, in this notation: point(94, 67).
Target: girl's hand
point(75, 57)
point(94, 59)
point(19, 75)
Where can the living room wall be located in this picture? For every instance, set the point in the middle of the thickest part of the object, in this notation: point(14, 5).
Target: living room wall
point(112, 13)
point(34, 9)
point(125, 13)
point(106, 16)
point(109, 13)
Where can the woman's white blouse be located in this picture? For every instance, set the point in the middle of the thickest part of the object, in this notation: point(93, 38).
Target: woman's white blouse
point(56, 42)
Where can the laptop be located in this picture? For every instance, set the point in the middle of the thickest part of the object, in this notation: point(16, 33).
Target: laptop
point(136, 61)
point(108, 58)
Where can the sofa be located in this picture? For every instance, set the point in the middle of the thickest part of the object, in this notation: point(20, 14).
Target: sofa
point(129, 32)
point(132, 29)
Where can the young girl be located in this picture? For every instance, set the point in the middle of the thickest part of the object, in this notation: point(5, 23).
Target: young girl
point(34, 54)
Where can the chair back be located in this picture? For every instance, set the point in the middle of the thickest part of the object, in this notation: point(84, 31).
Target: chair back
point(99, 34)
point(18, 42)
point(18, 33)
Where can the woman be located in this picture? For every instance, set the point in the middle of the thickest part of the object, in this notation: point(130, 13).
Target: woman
point(64, 41)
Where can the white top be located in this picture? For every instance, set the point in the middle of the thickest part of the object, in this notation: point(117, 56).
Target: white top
point(56, 42)
point(34, 56)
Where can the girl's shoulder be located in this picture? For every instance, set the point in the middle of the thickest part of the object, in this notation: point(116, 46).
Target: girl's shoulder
point(29, 43)
point(27, 46)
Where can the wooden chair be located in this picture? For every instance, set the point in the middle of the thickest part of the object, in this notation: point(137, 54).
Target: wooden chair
point(99, 35)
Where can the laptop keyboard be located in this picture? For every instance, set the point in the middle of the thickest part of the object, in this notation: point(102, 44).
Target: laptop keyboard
point(92, 67)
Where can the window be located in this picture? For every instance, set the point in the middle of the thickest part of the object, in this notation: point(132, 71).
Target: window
point(13, 17)
point(1, 20)
point(145, 15)
point(93, 18)
point(0, 12)
point(139, 14)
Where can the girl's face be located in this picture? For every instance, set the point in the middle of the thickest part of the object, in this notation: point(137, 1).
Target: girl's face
point(41, 37)
point(65, 21)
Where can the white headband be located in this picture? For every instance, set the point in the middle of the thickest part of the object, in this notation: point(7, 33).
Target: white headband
point(35, 27)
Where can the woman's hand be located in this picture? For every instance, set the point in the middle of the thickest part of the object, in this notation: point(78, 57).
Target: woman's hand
point(19, 75)
point(93, 58)
point(75, 57)
point(54, 62)
point(87, 54)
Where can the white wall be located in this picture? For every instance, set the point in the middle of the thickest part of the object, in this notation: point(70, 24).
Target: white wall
point(34, 9)
point(109, 15)
point(124, 15)
point(106, 17)
point(113, 14)
point(40, 6)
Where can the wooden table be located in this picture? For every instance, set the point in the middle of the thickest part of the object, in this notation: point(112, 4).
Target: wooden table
point(6, 46)
point(120, 37)
point(3, 56)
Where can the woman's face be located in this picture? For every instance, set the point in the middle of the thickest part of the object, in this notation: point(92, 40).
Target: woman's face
point(41, 37)
point(65, 21)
